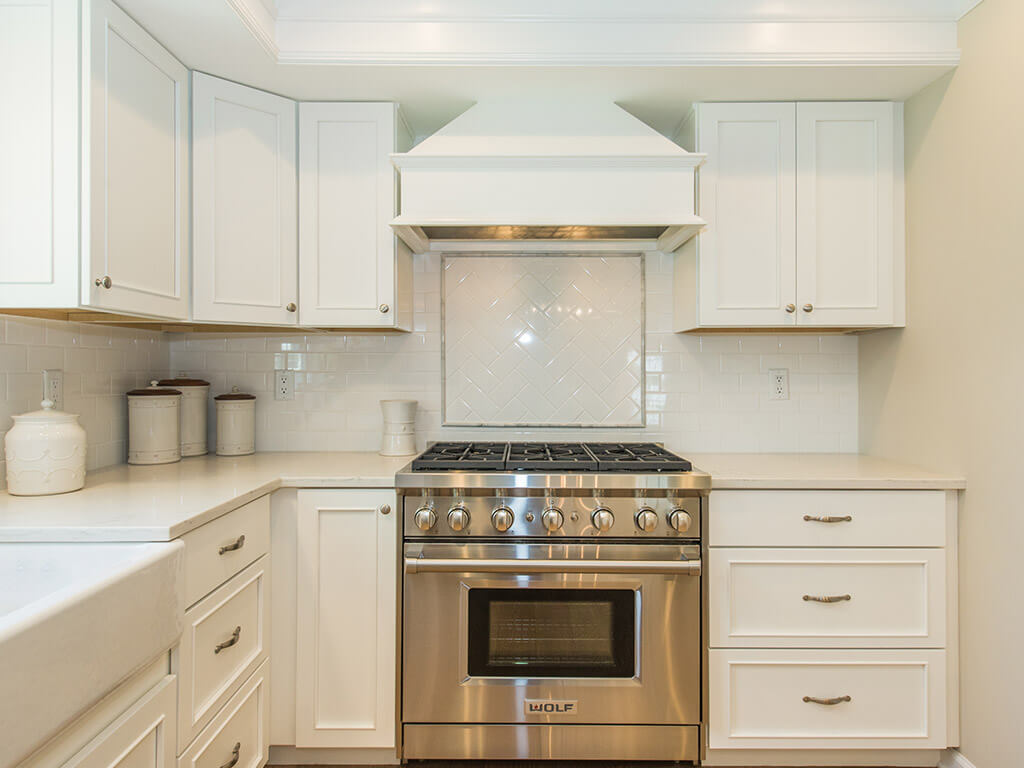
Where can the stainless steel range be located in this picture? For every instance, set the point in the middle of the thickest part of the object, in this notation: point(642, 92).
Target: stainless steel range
point(552, 602)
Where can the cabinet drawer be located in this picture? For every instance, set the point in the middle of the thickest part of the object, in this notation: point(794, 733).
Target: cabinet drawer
point(225, 638)
point(221, 548)
point(764, 699)
point(860, 598)
point(827, 519)
point(242, 725)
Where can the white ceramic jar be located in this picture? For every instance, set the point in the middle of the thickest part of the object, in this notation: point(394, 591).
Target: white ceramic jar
point(154, 425)
point(45, 453)
point(236, 423)
point(399, 438)
point(195, 394)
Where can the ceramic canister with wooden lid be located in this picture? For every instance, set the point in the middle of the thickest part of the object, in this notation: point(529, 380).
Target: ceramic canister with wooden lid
point(195, 394)
point(236, 423)
point(154, 429)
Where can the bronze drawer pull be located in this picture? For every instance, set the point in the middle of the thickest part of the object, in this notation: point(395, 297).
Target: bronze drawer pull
point(827, 598)
point(238, 544)
point(827, 519)
point(234, 756)
point(826, 702)
point(228, 643)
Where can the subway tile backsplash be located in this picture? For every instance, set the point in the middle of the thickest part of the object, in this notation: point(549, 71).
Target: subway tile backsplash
point(100, 364)
point(703, 393)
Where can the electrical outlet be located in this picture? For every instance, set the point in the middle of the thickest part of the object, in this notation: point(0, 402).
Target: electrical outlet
point(53, 387)
point(284, 385)
point(779, 379)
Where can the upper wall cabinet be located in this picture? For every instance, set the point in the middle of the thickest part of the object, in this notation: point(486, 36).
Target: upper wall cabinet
point(245, 253)
point(127, 192)
point(353, 272)
point(804, 204)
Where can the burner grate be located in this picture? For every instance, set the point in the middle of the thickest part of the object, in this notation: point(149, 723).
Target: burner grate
point(550, 456)
point(636, 457)
point(478, 456)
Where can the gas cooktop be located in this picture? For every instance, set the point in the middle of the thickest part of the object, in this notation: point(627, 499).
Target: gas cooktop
point(549, 458)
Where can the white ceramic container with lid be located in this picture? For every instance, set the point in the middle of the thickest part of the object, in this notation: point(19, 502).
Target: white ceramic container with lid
point(45, 453)
point(154, 427)
point(195, 394)
point(236, 423)
point(399, 437)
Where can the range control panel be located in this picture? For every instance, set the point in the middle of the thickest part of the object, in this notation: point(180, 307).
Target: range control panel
point(551, 517)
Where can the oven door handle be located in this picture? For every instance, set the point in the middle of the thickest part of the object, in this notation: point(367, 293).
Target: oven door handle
point(456, 565)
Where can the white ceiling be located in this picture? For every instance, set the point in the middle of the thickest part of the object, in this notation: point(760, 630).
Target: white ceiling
point(437, 57)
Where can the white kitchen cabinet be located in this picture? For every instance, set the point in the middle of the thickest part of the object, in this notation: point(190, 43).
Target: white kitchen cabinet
point(347, 544)
point(245, 254)
point(128, 195)
point(353, 271)
point(142, 737)
point(804, 204)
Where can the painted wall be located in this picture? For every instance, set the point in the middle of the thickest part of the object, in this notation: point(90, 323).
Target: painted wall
point(703, 393)
point(100, 364)
point(946, 392)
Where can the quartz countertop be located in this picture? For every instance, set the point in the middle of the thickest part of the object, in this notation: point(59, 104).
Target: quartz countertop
point(160, 503)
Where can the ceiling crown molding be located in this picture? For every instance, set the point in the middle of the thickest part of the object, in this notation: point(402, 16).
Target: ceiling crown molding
point(601, 33)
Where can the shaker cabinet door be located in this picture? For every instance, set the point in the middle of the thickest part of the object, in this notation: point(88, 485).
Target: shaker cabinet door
point(245, 257)
point(346, 618)
point(346, 203)
point(747, 196)
point(849, 162)
point(135, 169)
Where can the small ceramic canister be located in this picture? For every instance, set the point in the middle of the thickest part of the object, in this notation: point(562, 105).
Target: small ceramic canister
point(194, 395)
point(399, 438)
point(154, 428)
point(45, 453)
point(236, 423)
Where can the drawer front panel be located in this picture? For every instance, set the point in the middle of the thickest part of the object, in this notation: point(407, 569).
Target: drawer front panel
point(225, 639)
point(850, 598)
point(240, 730)
point(827, 519)
point(218, 550)
point(779, 699)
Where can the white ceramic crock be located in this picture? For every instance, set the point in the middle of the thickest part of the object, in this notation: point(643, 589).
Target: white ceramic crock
point(195, 394)
point(236, 423)
point(399, 437)
point(154, 425)
point(45, 453)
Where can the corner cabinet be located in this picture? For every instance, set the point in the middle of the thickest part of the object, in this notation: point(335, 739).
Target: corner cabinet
point(347, 548)
point(805, 211)
point(106, 230)
point(353, 271)
point(245, 252)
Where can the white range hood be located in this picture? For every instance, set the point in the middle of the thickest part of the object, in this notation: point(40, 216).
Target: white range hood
point(546, 175)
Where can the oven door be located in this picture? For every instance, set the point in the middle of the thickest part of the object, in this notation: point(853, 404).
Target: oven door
point(567, 633)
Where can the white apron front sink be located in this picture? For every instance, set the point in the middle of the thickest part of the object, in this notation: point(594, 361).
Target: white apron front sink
point(76, 620)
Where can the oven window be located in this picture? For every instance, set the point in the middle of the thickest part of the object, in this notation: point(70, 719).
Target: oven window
point(552, 632)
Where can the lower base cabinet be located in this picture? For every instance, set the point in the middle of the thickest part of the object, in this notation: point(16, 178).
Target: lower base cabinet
point(239, 736)
point(143, 737)
point(828, 699)
point(346, 610)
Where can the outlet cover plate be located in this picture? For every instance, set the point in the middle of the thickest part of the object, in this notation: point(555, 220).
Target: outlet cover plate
point(778, 381)
point(284, 385)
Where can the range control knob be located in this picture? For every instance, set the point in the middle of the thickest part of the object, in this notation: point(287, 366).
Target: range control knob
point(458, 518)
point(646, 519)
point(680, 520)
point(424, 518)
point(502, 519)
point(603, 519)
point(552, 519)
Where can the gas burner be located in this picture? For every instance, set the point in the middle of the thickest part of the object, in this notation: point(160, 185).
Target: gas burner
point(522, 457)
point(550, 457)
point(472, 456)
point(636, 457)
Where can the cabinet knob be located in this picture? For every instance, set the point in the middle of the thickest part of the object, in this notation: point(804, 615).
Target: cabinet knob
point(290, 306)
point(104, 282)
point(384, 509)
point(384, 309)
point(808, 307)
point(791, 308)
